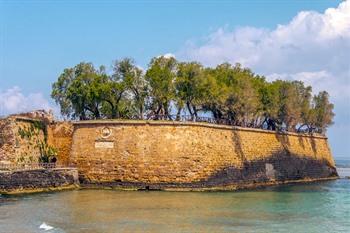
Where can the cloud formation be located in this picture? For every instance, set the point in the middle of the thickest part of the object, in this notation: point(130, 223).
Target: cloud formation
point(13, 101)
point(313, 47)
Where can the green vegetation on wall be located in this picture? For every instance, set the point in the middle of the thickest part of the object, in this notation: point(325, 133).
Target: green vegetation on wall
point(32, 135)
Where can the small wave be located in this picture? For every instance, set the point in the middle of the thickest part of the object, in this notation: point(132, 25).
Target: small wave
point(342, 165)
point(343, 172)
point(45, 227)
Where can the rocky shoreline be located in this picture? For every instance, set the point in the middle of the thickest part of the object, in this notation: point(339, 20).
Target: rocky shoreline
point(38, 180)
point(41, 180)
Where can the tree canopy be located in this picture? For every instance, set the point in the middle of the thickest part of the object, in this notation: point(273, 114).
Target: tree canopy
point(170, 89)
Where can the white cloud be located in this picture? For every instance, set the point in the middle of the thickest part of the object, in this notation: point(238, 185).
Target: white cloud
point(311, 43)
point(313, 47)
point(167, 55)
point(13, 101)
point(319, 80)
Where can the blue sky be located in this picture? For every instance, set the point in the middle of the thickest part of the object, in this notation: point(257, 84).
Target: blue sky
point(38, 39)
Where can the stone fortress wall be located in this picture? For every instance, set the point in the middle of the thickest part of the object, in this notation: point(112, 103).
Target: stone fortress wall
point(168, 155)
point(20, 135)
point(60, 137)
point(185, 155)
point(19, 138)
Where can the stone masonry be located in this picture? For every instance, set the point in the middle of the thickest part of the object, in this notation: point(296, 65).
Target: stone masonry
point(167, 155)
point(175, 155)
point(27, 181)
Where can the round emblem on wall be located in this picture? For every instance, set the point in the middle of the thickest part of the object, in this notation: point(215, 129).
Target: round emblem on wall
point(106, 132)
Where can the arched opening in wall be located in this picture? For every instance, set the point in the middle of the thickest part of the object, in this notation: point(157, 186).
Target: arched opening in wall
point(53, 160)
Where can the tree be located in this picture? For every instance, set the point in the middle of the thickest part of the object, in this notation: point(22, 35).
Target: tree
point(190, 87)
point(161, 75)
point(233, 94)
point(230, 93)
point(134, 82)
point(323, 111)
point(86, 93)
point(215, 94)
point(245, 96)
point(59, 90)
point(113, 96)
point(77, 91)
point(269, 102)
point(289, 104)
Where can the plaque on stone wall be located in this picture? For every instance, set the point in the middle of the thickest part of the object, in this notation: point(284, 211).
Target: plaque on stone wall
point(106, 132)
point(104, 144)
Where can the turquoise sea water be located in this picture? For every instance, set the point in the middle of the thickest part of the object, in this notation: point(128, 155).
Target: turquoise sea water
point(315, 207)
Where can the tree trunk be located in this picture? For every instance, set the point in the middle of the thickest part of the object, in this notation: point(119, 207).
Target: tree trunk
point(178, 114)
point(157, 112)
point(189, 109)
point(195, 112)
point(166, 111)
point(141, 112)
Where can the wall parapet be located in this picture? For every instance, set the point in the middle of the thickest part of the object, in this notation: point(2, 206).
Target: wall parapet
point(188, 123)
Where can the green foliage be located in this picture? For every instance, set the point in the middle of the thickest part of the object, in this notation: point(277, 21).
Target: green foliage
point(160, 75)
point(28, 132)
point(168, 86)
point(190, 87)
point(32, 133)
point(24, 133)
point(321, 111)
point(132, 81)
point(47, 152)
point(86, 93)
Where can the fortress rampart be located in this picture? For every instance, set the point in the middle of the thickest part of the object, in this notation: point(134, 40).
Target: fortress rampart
point(132, 154)
point(186, 155)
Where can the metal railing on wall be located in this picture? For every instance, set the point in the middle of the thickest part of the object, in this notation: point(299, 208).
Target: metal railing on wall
point(211, 120)
point(189, 118)
point(229, 122)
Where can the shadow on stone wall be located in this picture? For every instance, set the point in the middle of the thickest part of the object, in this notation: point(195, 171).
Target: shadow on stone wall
point(237, 141)
point(301, 142)
point(284, 140)
point(313, 145)
point(277, 169)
